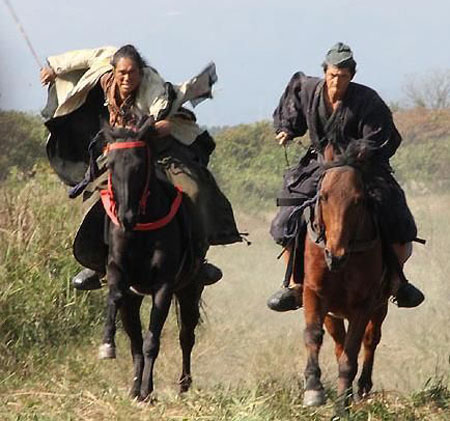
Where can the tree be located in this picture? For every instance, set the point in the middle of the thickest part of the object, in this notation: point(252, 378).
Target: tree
point(429, 91)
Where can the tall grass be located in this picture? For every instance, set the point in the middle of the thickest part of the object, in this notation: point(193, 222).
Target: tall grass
point(39, 310)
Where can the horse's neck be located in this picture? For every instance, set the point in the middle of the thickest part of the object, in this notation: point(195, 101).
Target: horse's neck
point(159, 198)
point(366, 226)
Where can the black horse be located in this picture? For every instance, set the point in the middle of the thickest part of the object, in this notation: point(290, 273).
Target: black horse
point(148, 251)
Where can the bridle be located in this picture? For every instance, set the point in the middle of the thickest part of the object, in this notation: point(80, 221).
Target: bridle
point(110, 205)
point(317, 232)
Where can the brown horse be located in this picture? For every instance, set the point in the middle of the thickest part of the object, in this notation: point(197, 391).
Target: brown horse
point(344, 279)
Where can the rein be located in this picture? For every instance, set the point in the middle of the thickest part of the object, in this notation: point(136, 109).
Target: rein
point(109, 203)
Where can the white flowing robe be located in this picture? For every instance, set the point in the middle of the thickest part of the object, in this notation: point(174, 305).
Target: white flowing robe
point(77, 72)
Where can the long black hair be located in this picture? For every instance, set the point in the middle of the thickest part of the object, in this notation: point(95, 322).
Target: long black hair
point(129, 51)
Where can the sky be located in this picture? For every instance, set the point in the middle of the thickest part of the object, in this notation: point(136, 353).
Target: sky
point(256, 44)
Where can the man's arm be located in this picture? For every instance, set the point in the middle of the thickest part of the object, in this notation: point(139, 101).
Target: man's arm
point(76, 60)
point(379, 130)
point(289, 118)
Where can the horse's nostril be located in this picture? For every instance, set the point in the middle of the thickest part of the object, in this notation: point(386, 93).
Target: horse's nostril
point(128, 221)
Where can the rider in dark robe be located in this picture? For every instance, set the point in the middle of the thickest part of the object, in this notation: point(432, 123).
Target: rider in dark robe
point(336, 112)
point(89, 87)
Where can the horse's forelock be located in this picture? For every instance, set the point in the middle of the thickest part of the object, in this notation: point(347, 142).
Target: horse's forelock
point(138, 132)
point(118, 134)
point(357, 154)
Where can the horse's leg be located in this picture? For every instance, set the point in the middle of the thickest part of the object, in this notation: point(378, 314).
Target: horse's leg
point(114, 301)
point(336, 329)
point(348, 361)
point(160, 308)
point(313, 335)
point(189, 299)
point(131, 322)
point(371, 339)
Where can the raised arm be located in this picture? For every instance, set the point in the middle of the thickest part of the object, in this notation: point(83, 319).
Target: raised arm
point(74, 60)
point(288, 118)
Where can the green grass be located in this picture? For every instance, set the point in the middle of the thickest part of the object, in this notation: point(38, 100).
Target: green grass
point(39, 309)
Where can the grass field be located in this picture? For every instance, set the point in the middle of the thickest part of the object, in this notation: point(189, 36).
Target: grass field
point(248, 361)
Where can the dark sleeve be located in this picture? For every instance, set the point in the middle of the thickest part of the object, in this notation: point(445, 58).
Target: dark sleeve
point(288, 116)
point(378, 129)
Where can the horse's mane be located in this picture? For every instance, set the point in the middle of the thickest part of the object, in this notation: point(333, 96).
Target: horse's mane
point(140, 130)
point(358, 154)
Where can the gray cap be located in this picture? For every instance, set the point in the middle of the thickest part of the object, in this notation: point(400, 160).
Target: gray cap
point(340, 55)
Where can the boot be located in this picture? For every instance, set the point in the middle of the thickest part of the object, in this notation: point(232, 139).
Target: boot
point(408, 296)
point(290, 297)
point(287, 298)
point(86, 280)
point(209, 274)
point(404, 294)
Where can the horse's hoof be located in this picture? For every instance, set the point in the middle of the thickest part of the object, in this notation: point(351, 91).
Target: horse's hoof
point(106, 352)
point(361, 395)
point(149, 399)
point(185, 384)
point(340, 414)
point(314, 398)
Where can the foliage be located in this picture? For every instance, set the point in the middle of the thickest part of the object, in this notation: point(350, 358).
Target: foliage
point(429, 91)
point(23, 137)
point(248, 164)
point(38, 307)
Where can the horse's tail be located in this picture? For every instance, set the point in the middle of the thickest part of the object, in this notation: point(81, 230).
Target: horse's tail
point(202, 310)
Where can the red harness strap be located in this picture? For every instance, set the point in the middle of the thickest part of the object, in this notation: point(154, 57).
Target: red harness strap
point(125, 145)
point(109, 203)
point(110, 207)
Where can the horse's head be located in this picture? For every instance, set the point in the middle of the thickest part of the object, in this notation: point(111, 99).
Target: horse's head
point(129, 162)
point(340, 209)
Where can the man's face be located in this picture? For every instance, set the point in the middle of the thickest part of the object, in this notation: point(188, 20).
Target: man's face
point(337, 81)
point(127, 76)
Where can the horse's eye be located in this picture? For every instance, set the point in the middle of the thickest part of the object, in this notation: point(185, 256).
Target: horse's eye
point(358, 201)
point(323, 197)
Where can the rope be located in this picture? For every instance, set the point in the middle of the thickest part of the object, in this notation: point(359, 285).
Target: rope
point(286, 156)
point(22, 31)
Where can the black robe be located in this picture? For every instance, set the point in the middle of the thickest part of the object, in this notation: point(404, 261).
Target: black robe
point(361, 115)
point(67, 150)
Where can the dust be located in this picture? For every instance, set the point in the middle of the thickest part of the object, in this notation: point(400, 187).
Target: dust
point(242, 341)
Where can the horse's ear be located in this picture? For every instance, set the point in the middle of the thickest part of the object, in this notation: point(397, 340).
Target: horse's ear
point(106, 132)
point(360, 150)
point(146, 127)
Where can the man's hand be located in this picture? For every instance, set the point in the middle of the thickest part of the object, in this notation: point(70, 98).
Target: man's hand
point(48, 75)
point(283, 138)
point(163, 128)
